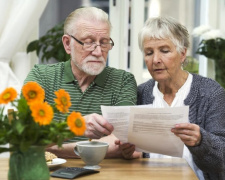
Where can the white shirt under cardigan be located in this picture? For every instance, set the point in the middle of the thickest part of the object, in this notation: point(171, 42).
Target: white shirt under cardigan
point(177, 102)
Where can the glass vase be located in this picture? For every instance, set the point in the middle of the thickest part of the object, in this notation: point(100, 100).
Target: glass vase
point(29, 165)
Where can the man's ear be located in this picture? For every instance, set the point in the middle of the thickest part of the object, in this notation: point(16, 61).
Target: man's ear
point(66, 43)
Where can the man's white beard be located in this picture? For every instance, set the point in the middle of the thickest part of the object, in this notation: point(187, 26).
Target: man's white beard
point(91, 68)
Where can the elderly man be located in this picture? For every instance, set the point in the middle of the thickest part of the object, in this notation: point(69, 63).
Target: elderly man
point(87, 79)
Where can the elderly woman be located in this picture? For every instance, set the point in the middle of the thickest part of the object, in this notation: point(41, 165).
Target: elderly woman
point(164, 43)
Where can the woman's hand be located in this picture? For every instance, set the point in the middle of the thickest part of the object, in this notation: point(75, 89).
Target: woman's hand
point(128, 150)
point(189, 133)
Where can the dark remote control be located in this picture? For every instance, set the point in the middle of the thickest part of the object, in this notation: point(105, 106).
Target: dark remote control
point(72, 172)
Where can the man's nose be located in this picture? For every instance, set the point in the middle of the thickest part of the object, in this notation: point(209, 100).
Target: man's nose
point(97, 51)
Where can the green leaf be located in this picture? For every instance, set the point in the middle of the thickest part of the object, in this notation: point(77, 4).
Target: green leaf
point(3, 149)
point(24, 146)
point(215, 49)
point(50, 44)
point(19, 127)
point(32, 46)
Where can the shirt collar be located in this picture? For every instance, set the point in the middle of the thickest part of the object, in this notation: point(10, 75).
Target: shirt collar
point(68, 74)
point(101, 78)
point(69, 77)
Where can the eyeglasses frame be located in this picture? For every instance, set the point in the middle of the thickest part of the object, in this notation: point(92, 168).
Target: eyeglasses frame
point(81, 43)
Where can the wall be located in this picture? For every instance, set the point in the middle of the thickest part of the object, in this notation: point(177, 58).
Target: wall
point(55, 12)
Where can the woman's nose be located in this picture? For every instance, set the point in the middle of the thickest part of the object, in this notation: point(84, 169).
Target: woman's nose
point(156, 57)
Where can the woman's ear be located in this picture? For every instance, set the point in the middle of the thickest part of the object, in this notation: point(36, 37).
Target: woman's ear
point(66, 43)
point(183, 55)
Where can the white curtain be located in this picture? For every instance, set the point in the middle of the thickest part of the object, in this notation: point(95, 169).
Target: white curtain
point(18, 19)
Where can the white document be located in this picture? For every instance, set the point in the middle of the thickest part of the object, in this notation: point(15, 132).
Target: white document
point(118, 116)
point(149, 129)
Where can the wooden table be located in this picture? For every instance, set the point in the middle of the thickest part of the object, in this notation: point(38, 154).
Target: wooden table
point(120, 169)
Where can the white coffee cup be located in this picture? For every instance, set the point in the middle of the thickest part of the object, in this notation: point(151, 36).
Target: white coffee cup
point(91, 152)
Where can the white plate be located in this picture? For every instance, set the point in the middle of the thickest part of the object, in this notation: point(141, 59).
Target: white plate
point(56, 162)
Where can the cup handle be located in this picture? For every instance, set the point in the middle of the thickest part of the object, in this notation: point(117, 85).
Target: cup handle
point(75, 150)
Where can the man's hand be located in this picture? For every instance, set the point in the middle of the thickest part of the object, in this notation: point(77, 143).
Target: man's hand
point(189, 133)
point(97, 126)
point(128, 150)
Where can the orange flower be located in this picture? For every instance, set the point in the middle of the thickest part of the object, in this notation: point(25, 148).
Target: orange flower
point(42, 112)
point(76, 123)
point(32, 92)
point(63, 100)
point(8, 95)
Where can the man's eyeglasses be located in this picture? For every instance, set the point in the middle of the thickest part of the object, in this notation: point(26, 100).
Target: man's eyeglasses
point(92, 46)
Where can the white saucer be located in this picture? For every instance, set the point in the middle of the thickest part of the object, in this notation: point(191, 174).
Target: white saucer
point(56, 162)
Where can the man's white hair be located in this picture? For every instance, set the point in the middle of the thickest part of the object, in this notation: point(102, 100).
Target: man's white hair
point(86, 13)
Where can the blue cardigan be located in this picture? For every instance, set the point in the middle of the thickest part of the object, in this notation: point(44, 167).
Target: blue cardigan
point(206, 102)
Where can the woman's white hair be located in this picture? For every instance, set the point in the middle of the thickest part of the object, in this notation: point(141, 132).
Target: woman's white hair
point(164, 28)
point(85, 13)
